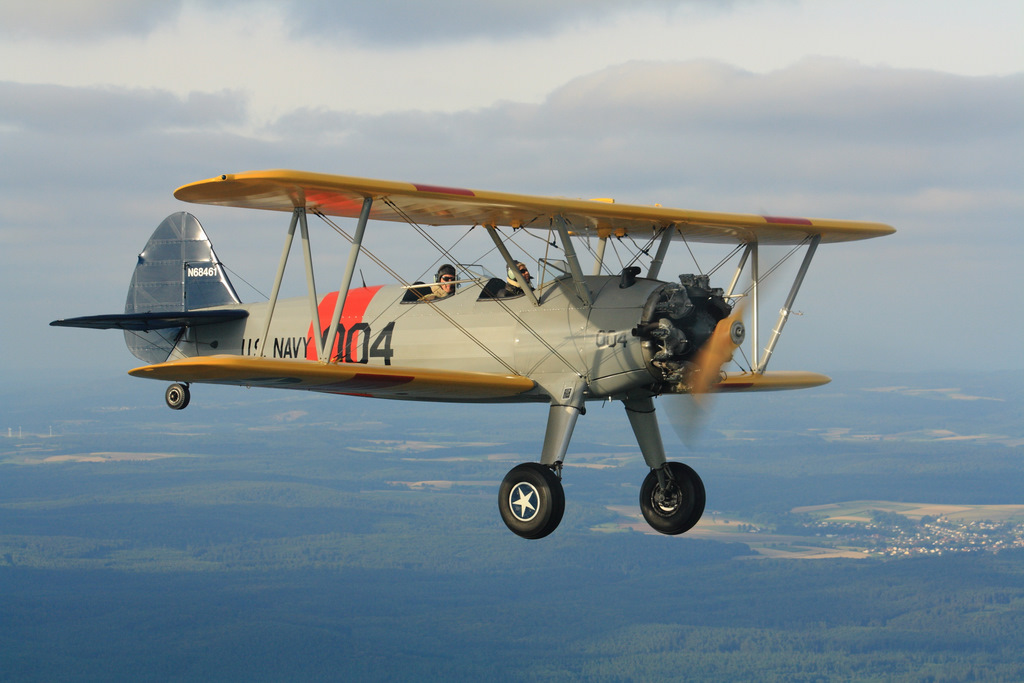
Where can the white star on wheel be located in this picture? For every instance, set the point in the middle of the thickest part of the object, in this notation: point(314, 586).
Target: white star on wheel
point(524, 501)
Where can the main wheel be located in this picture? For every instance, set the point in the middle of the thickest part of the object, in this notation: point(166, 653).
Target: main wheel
point(531, 500)
point(177, 396)
point(675, 508)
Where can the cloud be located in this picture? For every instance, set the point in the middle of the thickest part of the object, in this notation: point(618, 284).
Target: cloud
point(59, 110)
point(821, 127)
point(817, 97)
point(382, 22)
point(445, 21)
point(83, 19)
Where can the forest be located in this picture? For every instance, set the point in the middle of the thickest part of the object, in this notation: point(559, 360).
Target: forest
point(281, 537)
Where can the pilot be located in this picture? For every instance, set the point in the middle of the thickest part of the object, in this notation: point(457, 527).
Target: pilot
point(512, 287)
point(444, 283)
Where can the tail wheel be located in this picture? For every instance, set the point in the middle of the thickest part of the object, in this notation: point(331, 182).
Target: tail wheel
point(177, 396)
point(674, 508)
point(531, 500)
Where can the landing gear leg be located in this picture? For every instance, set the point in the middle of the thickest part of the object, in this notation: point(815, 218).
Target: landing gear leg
point(531, 499)
point(672, 496)
point(177, 396)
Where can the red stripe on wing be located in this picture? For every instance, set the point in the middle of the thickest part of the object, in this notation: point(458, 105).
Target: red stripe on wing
point(439, 189)
point(783, 220)
point(367, 382)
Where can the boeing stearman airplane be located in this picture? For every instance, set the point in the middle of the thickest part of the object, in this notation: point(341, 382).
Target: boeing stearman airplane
point(563, 341)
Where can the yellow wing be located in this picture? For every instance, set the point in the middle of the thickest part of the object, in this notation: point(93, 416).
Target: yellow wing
point(342, 378)
point(771, 381)
point(283, 190)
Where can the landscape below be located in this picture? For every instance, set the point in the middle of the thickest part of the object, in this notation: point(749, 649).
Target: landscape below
point(270, 535)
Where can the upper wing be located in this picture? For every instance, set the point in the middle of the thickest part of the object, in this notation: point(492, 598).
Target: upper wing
point(283, 190)
point(342, 378)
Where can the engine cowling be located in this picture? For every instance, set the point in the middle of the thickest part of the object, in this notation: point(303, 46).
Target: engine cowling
point(677, 320)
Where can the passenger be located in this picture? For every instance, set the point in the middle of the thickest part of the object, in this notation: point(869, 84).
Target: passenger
point(512, 287)
point(444, 283)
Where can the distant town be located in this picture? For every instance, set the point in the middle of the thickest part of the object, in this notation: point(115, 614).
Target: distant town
point(865, 529)
point(895, 535)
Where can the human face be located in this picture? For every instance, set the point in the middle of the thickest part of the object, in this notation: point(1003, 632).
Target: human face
point(447, 283)
point(525, 273)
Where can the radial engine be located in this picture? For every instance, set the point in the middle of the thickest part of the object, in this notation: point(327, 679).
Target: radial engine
point(677, 320)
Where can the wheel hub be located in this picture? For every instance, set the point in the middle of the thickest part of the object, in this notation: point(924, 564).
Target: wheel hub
point(523, 501)
point(667, 501)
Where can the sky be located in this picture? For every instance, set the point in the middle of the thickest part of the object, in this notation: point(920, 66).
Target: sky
point(908, 113)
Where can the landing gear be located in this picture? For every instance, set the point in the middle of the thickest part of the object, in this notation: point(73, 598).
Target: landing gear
point(531, 500)
point(672, 496)
point(177, 396)
point(672, 500)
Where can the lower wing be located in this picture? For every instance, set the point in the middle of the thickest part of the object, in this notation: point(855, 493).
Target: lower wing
point(341, 378)
point(770, 381)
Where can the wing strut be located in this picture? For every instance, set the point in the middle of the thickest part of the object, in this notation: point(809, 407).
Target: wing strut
point(307, 253)
point(298, 219)
point(784, 313)
point(659, 257)
point(739, 270)
point(323, 346)
point(350, 267)
point(511, 263)
point(574, 263)
point(278, 278)
point(761, 358)
point(602, 242)
point(755, 278)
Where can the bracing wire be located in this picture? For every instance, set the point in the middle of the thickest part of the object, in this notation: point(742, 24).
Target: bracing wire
point(778, 263)
point(251, 286)
point(434, 306)
point(692, 255)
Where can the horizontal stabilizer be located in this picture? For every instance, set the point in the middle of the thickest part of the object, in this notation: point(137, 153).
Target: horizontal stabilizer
point(771, 381)
point(152, 321)
point(340, 378)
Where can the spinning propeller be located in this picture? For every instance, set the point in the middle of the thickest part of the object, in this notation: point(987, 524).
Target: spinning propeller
point(687, 415)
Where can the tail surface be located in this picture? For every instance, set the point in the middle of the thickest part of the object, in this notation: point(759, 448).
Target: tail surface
point(177, 280)
point(177, 272)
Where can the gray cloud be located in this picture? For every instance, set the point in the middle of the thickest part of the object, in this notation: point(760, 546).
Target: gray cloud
point(59, 110)
point(401, 21)
point(83, 19)
point(821, 126)
point(380, 22)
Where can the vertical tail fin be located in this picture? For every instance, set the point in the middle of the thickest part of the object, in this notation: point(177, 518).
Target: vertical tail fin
point(177, 271)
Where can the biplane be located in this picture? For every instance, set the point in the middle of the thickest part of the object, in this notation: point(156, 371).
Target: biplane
point(574, 336)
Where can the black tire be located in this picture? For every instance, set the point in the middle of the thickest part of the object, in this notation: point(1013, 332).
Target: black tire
point(177, 396)
point(531, 500)
point(678, 509)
